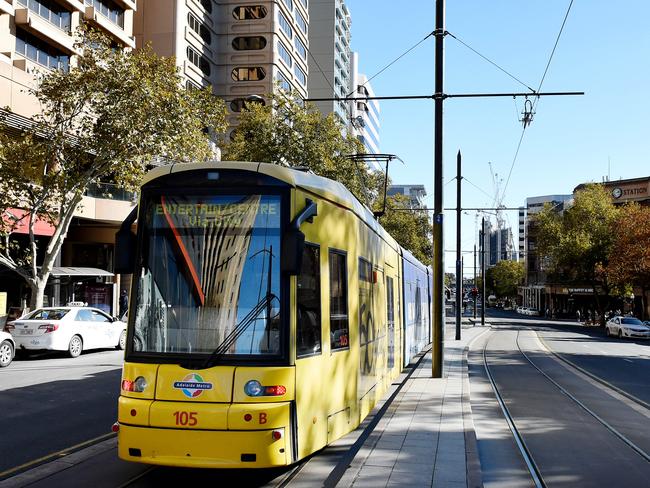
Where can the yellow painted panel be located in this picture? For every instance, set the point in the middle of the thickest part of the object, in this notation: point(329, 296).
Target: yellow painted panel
point(312, 400)
point(338, 425)
point(267, 376)
point(131, 371)
point(133, 411)
point(202, 449)
point(262, 416)
point(189, 415)
point(207, 385)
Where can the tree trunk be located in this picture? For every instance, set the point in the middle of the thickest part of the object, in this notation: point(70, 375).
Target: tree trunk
point(38, 292)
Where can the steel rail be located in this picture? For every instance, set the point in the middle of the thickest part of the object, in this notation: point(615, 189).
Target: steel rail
point(609, 427)
point(591, 375)
point(521, 444)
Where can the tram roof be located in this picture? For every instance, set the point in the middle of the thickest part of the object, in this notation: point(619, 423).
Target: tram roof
point(306, 180)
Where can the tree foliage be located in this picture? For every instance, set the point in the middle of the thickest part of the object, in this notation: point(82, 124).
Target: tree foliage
point(107, 118)
point(504, 278)
point(577, 243)
point(289, 132)
point(629, 260)
point(411, 228)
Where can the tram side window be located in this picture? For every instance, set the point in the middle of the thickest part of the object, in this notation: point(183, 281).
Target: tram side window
point(308, 336)
point(338, 301)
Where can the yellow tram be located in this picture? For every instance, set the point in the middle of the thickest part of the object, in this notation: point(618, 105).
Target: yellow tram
point(269, 312)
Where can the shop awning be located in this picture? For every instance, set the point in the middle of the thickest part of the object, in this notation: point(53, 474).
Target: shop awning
point(58, 271)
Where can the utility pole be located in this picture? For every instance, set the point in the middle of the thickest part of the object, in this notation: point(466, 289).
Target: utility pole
point(438, 254)
point(483, 271)
point(459, 262)
point(475, 287)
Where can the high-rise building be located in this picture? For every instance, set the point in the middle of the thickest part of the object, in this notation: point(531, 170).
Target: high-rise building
point(364, 115)
point(534, 266)
point(330, 60)
point(415, 193)
point(244, 51)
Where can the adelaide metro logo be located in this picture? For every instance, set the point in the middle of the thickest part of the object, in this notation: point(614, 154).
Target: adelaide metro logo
point(192, 385)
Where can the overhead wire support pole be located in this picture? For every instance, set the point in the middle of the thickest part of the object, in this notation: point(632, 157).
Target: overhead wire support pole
point(438, 322)
point(482, 243)
point(459, 263)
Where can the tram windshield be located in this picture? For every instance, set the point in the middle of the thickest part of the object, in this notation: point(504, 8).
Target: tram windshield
point(210, 275)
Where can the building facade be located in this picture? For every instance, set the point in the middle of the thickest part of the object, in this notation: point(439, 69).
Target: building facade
point(415, 194)
point(364, 115)
point(330, 63)
point(244, 51)
point(37, 36)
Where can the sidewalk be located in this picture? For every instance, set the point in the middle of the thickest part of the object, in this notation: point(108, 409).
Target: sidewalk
point(426, 437)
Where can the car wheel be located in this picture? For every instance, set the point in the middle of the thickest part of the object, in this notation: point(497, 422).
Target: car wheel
point(6, 354)
point(75, 347)
point(121, 344)
point(620, 334)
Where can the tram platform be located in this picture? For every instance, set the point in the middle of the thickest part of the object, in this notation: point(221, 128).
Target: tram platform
point(423, 434)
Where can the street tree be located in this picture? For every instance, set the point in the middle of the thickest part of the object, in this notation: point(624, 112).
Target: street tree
point(107, 118)
point(574, 246)
point(629, 260)
point(505, 277)
point(287, 131)
point(411, 228)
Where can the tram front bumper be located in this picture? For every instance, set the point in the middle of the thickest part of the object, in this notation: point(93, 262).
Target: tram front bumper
point(203, 448)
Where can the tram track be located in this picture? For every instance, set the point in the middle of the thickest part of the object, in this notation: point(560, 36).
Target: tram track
point(591, 375)
point(524, 449)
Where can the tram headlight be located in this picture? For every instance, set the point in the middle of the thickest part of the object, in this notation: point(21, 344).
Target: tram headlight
point(138, 385)
point(254, 388)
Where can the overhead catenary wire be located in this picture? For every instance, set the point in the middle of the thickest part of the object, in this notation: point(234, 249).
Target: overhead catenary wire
point(393, 61)
point(548, 64)
point(490, 61)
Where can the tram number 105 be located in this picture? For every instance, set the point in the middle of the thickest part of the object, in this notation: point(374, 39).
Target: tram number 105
point(186, 418)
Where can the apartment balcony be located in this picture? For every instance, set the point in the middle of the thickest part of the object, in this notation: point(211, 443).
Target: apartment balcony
point(115, 31)
point(44, 29)
point(129, 4)
point(106, 203)
point(6, 7)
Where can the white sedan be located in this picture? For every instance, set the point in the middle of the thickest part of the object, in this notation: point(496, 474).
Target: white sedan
point(72, 329)
point(7, 349)
point(627, 327)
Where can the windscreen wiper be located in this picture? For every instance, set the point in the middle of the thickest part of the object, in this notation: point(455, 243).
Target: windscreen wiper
point(239, 329)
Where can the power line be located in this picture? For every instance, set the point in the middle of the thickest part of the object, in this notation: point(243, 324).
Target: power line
point(548, 64)
point(490, 61)
point(394, 61)
point(477, 187)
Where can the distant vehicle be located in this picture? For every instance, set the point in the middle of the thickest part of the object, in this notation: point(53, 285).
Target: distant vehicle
point(522, 310)
point(627, 327)
point(7, 349)
point(70, 328)
point(533, 311)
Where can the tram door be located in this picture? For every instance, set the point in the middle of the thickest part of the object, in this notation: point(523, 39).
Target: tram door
point(310, 407)
point(372, 332)
point(390, 313)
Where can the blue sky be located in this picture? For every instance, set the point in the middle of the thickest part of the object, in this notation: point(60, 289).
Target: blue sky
point(604, 51)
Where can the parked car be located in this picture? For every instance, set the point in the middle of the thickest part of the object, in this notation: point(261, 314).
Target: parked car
point(627, 327)
point(70, 328)
point(7, 349)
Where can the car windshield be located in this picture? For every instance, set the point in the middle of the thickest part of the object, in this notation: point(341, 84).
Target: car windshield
point(210, 276)
point(631, 321)
point(47, 314)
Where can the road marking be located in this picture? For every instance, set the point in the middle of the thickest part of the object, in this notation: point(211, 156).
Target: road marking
point(55, 455)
